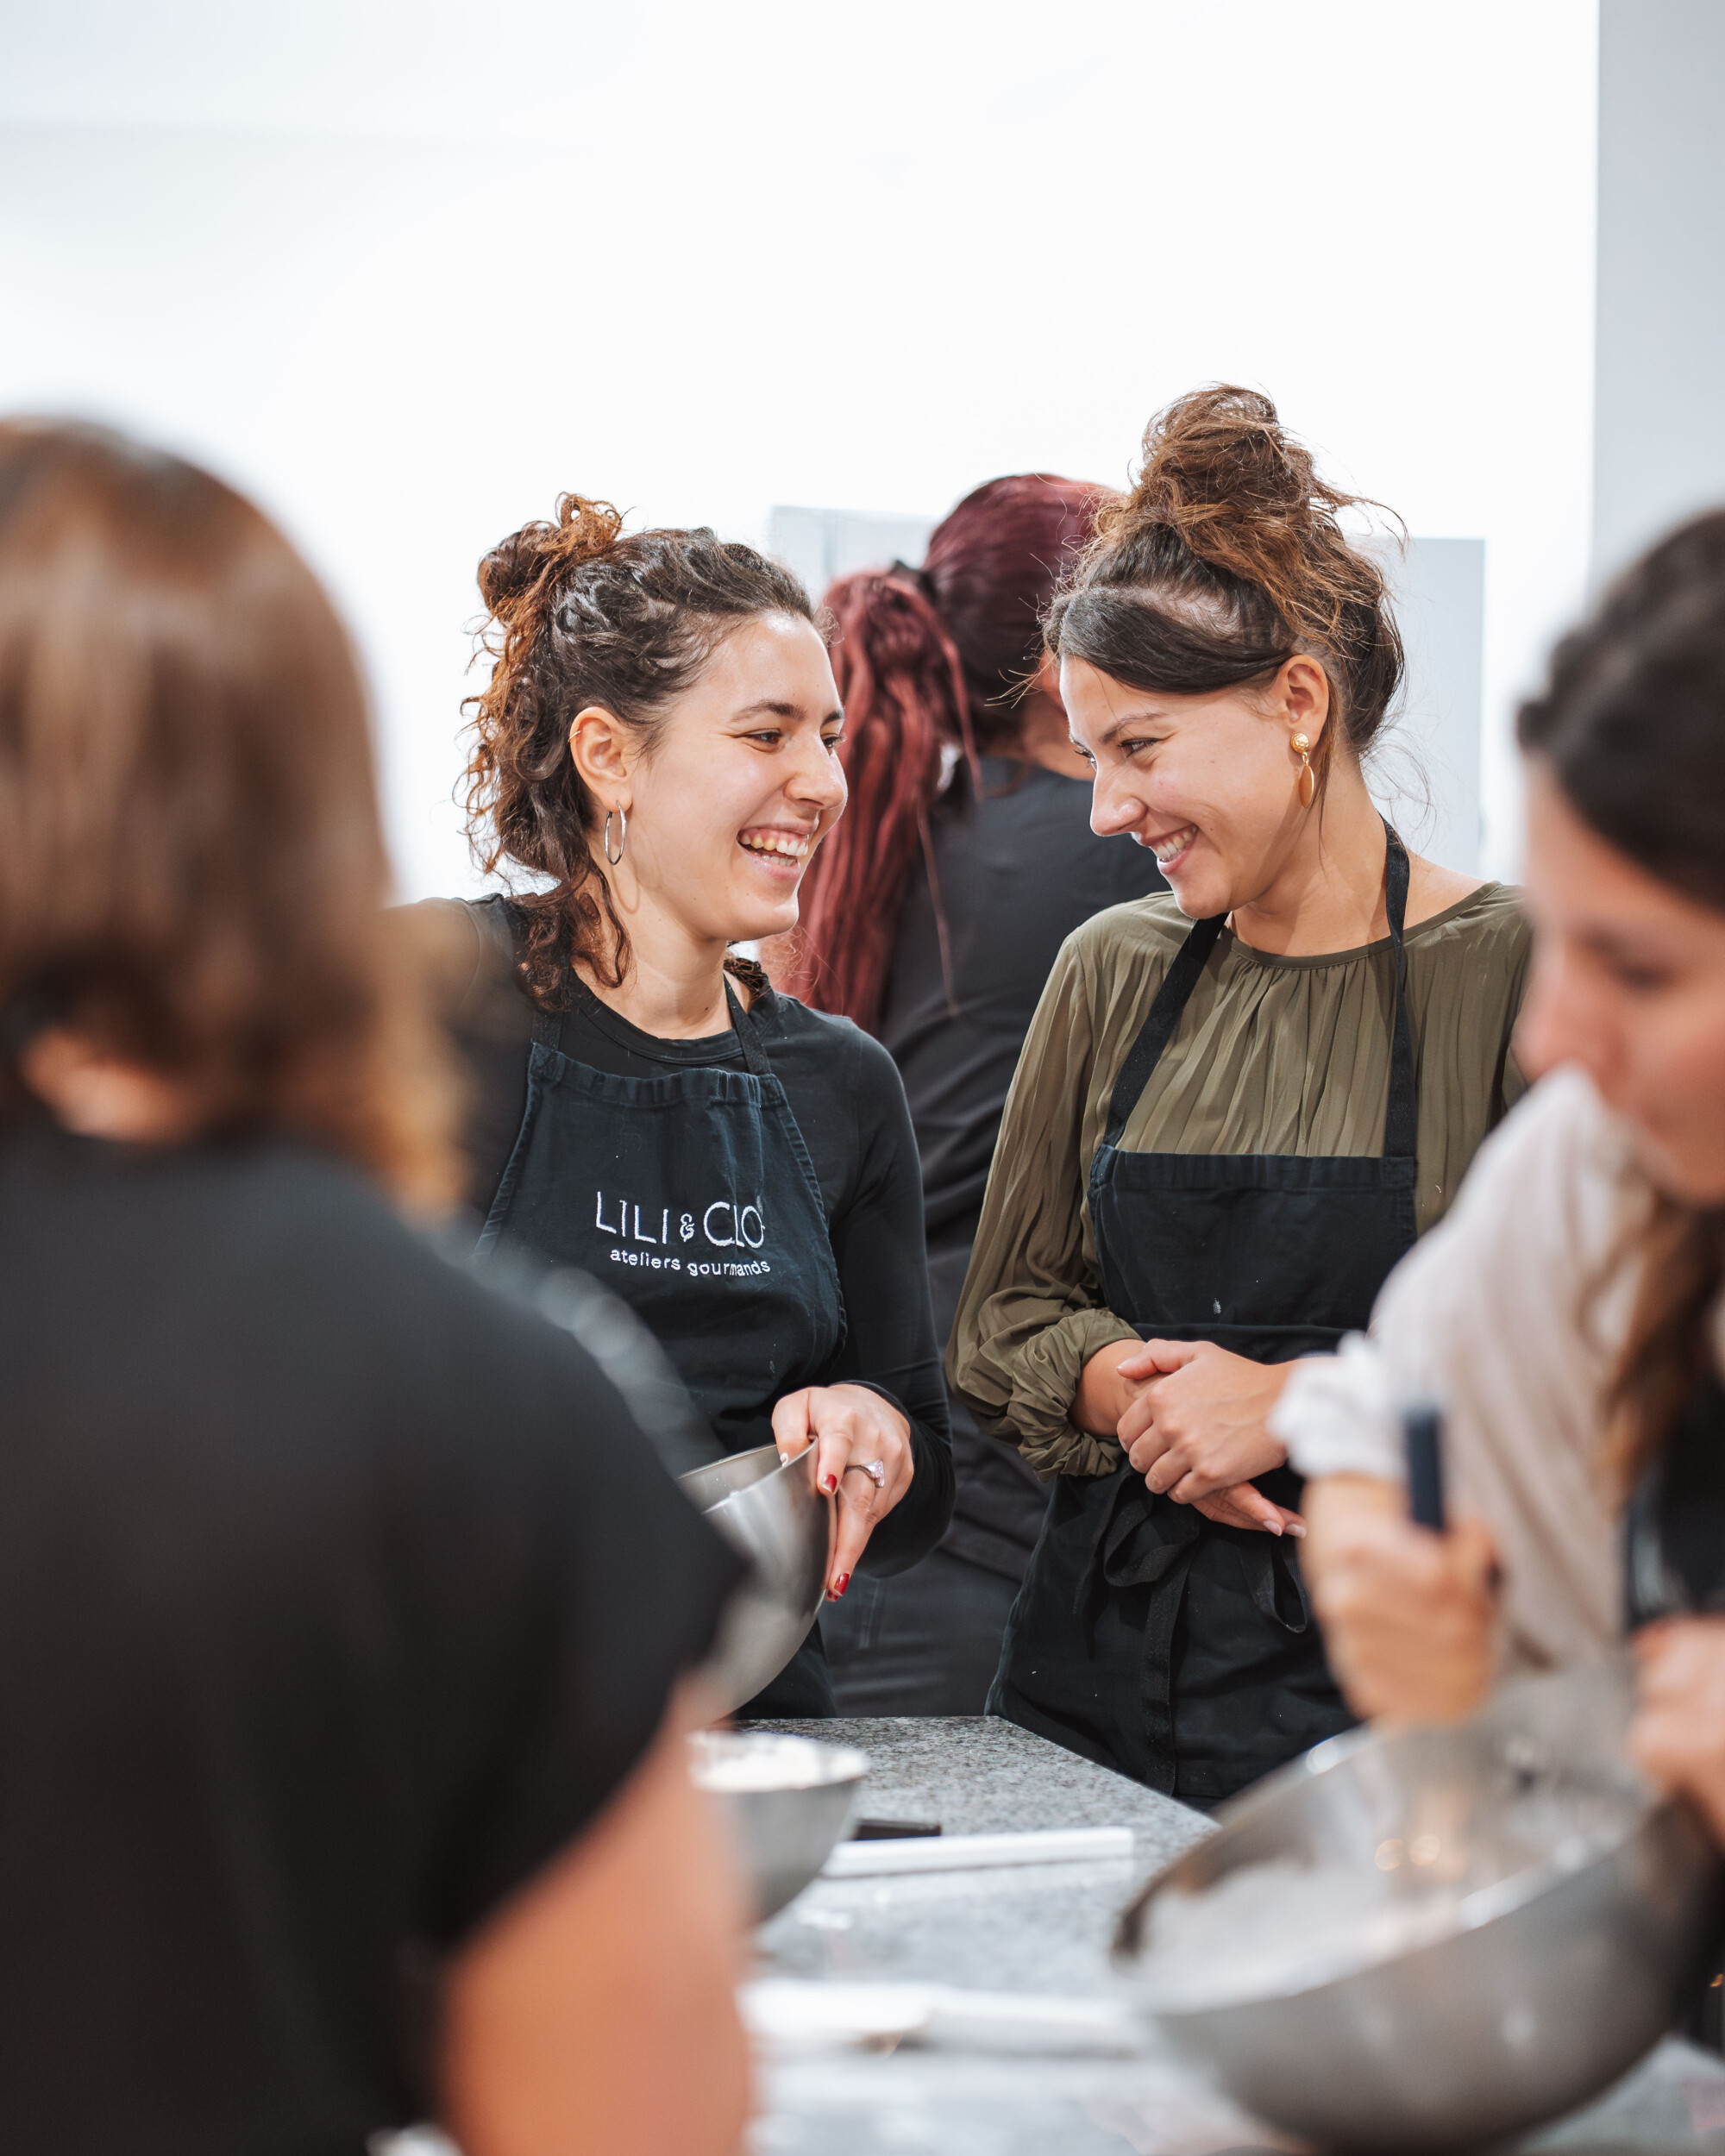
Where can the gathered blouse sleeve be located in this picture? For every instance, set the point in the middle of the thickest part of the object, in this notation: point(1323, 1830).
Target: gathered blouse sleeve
point(1031, 1313)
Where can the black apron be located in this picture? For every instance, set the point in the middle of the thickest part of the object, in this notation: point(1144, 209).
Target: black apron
point(1146, 1637)
point(693, 1197)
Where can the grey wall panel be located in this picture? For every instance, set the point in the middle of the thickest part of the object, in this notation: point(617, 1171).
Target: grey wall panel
point(1425, 774)
point(821, 544)
point(1659, 390)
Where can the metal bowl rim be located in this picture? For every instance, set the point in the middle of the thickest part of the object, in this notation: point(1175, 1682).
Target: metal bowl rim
point(841, 1764)
point(1485, 1905)
point(752, 1452)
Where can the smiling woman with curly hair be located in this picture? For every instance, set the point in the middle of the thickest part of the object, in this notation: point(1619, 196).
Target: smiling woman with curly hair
point(656, 750)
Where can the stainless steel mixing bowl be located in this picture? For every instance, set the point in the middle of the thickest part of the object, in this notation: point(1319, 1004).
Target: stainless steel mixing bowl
point(771, 1511)
point(788, 1800)
point(1559, 1959)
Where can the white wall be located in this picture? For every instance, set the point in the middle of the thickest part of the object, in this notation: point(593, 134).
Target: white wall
point(407, 269)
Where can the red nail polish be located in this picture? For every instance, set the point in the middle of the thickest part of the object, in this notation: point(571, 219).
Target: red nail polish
point(842, 1582)
point(830, 1484)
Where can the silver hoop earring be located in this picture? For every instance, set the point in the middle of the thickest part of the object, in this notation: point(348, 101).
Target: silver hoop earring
point(622, 816)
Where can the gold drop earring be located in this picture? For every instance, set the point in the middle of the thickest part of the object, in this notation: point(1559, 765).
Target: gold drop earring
point(1309, 784)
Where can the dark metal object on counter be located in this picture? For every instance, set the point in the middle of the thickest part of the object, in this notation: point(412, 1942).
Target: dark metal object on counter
point(1423, 1435)
point(895, 1829)
point(789, 1799)
point(1579, 1909)
point(771, 1511)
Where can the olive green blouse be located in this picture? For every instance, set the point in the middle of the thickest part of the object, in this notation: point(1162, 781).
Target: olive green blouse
point(1272, 1054)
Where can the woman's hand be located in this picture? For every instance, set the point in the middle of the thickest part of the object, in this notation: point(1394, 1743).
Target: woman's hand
point(1678, 1735)
point(1245, 1505)
point(852, 1430)
point(1115, 1400)
point(1196, 1425)
point(1408, 1616)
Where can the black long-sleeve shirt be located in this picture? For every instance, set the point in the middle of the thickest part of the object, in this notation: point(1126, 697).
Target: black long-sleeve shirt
point(1017, 868)
point(848, 1101)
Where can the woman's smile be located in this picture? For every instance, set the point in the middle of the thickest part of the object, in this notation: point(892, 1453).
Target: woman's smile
point(1170, 849)
point(783, 850)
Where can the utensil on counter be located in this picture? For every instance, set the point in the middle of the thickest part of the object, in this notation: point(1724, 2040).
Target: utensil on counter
point(878, 1858)
point(788, 2015)
point(1435, 1937)
point(771, 1511)
point(789, 1799)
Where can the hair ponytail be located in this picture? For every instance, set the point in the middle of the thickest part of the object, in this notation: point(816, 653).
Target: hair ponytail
point(902, 686)
point(929, 664)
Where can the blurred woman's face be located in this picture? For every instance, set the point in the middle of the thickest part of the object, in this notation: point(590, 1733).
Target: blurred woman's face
point(742, 783)
point(1208, 783)
point(1629, 980)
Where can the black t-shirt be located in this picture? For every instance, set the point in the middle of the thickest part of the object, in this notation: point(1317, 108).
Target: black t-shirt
point(1019, 869)
point(336, 1596)
point(849, 1105)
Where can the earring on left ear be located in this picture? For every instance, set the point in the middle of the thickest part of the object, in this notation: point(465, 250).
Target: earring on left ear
point(1308, 784)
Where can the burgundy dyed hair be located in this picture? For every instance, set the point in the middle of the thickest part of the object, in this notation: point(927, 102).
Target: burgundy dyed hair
point(927, 661)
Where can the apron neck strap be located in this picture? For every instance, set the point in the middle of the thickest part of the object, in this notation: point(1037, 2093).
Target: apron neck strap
point(1157, 1030)
point(1401, 1116)
point(747, 1035)
point(1401, 1121)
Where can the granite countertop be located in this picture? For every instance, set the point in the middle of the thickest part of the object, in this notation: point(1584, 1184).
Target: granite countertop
point(1046, 1929)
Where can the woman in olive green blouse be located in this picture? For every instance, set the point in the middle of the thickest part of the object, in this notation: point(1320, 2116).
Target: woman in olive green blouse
point(1236, 1109)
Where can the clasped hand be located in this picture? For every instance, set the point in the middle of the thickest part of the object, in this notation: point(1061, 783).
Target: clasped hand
point(1194, 1427)
point(851, 1427)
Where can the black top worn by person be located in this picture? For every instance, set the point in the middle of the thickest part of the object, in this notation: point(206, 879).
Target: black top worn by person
point(1019, 869)
point(848, 1107)
point(336, 1596)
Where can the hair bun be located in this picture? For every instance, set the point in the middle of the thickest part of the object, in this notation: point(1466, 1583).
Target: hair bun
point(517, 568)
point(1242, 498)
point(1219, 456)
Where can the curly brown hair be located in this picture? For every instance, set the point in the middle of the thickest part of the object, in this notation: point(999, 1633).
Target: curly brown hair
point(191, 869)
point(1225, 561)
point(579, 614)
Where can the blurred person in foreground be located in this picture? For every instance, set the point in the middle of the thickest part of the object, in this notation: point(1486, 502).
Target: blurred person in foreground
point(342, 1607)
point(1570, 1312)
point(933, 916)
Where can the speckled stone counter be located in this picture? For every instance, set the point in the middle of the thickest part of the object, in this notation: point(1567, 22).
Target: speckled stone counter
point(1045, 1928)
point(978, 1774)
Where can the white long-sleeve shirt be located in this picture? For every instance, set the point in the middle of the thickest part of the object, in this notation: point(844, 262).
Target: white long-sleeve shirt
point(1513, 1312)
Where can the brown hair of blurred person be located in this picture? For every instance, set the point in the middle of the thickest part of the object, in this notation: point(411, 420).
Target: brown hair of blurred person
point(192, 877)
